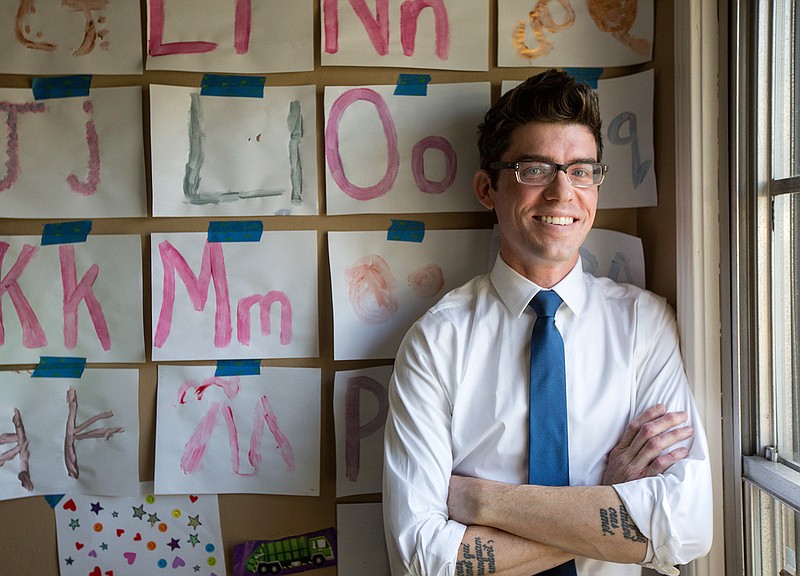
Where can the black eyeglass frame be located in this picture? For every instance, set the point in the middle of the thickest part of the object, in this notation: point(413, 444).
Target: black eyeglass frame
point(500, 165)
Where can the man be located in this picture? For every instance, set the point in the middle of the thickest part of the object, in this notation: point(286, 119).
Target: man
point(456, 494)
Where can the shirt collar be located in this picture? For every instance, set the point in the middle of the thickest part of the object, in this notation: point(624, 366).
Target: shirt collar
point(516, 291)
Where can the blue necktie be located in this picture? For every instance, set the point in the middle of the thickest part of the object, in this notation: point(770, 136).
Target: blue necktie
point(548, 463)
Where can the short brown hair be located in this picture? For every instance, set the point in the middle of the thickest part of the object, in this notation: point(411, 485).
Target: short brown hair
point(552, 97)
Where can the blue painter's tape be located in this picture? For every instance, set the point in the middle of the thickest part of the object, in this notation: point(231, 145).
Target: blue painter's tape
point(238, 231)
point(61, 87)
point(239, 86)
point(66, 232)
point(238, 368)
point(588, 76)
point(406, 231)
point(59, 367)
point(53, 499)
point(412, 85)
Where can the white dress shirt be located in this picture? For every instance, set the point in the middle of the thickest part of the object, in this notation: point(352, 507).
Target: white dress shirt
point(459, 405)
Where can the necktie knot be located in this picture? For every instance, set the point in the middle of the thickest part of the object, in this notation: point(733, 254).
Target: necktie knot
point(545, 303)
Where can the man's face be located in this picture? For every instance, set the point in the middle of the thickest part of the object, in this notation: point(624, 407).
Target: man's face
point(542, 227)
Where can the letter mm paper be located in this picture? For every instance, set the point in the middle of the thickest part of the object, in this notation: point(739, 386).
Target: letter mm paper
point(234, 299)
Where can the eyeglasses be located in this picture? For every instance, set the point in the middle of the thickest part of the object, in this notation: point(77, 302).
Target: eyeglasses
point(540, 173)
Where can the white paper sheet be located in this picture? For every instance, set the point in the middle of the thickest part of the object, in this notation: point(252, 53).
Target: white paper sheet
point(147, 534)
point(360, 405)
point(105, 408)
point(276, 277)
point(232, 37)
point(400, 154)
point(244, 434)
point(547, 33)
point(102, 319)
point(361, 540)
point(614, 255)
point(79, 37)
point(80, 157)
point(230, 156)
point(381, 287)
point(626, 111)
point(449, 35)
point(626, 107)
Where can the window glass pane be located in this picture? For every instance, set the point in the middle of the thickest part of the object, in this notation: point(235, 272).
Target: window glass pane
point(774, 536)
point(786, 305)
point(786, 79)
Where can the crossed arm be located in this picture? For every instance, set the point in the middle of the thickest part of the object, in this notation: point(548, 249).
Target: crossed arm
point(525, 529)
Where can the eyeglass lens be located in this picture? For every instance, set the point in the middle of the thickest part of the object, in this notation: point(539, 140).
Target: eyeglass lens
point(579, 173)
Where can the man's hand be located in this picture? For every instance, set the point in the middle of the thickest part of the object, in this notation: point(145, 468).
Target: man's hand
point(639, 453)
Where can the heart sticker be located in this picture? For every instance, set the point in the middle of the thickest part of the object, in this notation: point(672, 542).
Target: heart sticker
point(130, 557)
point(178, 562)
point(137, 537)
point(70, 505)
point(93, 554)
point(120, 532)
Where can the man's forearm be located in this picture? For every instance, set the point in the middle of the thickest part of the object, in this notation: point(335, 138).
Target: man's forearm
point(487, 550)
point(588, 521)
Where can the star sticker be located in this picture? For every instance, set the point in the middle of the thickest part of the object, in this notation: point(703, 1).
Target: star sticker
point(194, 540)
point(196, 568)
point(153, 519)
point(70, 562)
point(96, 508)
point(138, 512)
point(194, 521)
point(115, 514)
point(174, 544)
point(104, 546)
point(74, 523)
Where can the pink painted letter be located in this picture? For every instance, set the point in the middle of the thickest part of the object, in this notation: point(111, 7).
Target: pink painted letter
point(265, 304)
point(409, 14)
point(32, 333)
point(354, 431)
point(74, 292)
point(332, 144)
point(377, 27)
point(212, 267)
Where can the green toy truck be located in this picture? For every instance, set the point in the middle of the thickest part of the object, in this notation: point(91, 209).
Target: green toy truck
point(272, 557)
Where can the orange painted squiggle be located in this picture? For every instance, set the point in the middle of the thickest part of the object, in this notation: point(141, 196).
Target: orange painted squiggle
point(371, 287)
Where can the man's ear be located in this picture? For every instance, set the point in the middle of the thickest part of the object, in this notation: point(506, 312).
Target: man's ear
point(482, 184)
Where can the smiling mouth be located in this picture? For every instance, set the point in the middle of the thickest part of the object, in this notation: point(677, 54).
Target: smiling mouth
point(557, 220)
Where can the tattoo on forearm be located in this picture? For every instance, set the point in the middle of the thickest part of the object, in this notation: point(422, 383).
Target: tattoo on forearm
point(477, 561)
point(612, 519)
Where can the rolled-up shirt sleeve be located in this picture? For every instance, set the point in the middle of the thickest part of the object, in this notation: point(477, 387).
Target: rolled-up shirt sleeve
point(674, 509)
point(421, 539)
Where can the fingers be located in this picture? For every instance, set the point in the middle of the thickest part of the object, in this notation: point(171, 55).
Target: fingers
point(653, 432)
point(633, 428)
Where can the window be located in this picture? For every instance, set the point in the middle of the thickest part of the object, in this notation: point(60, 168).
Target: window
point(765, 278)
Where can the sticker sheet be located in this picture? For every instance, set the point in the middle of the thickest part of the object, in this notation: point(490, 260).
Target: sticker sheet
point(445, 35)
point(388, 153)
point(82, 299)
point(70, 37)
point(75, 157)
point(263, 303)
point(233, 156)
point(360, 406)
point(233, 37)
point(380, 287)
point(169, 535)
point(71, 434)
point(570, 33)
point(257, 433)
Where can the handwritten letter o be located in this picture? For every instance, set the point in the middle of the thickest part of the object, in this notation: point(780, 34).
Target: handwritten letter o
point(332, 144)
